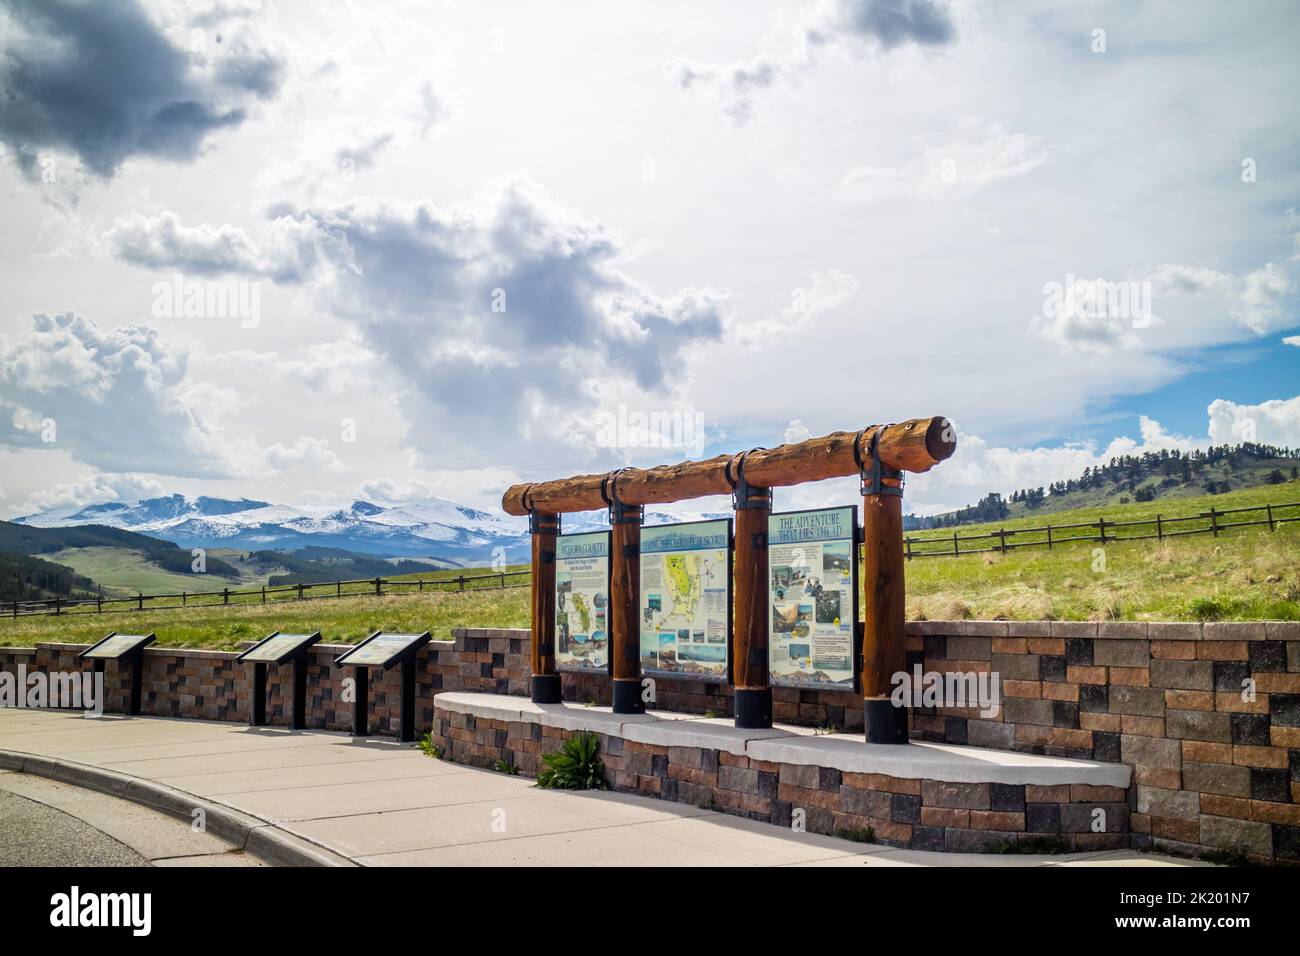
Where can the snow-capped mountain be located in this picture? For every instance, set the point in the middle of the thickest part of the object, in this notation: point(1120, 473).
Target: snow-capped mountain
point(428, 527)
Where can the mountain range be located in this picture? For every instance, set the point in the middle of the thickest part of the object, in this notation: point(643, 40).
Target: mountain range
point(428, 527)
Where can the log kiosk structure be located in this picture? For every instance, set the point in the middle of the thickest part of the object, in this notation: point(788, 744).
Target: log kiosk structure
point(879, 453)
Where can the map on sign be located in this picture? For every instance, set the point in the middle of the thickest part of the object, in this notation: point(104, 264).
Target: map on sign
point(582, 601)
point(686, 599)
point(382, 649)
point(277, 647)
point(117, 645)
point(812, 602)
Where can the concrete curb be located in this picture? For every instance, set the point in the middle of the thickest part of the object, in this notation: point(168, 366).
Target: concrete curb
point(261, 838)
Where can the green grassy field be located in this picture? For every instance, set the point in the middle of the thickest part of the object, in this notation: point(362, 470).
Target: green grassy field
point(122, 572)
point(1244, 574)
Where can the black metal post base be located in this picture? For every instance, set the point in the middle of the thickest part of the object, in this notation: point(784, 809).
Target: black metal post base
point(547, 689)
point(361, 703)
point(257, 701)
point(754, 707)
point(883, 722)
point(627, 696)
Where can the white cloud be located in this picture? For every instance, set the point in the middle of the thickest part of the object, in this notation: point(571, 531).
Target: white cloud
point(115, 398)
point(855, 27)
point(980, 157)
point(94, 489)
point(303, 453)
point(1275, 422)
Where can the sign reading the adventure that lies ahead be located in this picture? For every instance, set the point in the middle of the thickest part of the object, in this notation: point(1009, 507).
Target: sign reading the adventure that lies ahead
point(686, 599)
point(582, 601)
point(813, 608)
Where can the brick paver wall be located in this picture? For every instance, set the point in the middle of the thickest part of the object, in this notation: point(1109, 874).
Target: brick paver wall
point(1213, 767)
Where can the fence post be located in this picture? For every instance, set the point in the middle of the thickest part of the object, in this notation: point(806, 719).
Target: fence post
point(1214, 521)
point(1160, 529)
point(503, 580)
point(1049, 537)
point(1002, 540)
point(299, 590)
point(99, 605)
point(956, 549)
point(57, 605)
point(421, 583)
point(1270, 517)
point(1101, 525)
point(263, 593)
point(225, 595)
point(338, 588)
point(139, 602)
point(377, 590)
point(461, 579)
point(183, 599)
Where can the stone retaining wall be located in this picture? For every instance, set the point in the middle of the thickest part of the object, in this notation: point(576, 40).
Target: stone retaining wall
point(914, 813)
point(1213, 769)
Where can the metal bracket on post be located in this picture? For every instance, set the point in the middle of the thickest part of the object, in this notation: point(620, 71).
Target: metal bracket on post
point(873, 478)
point(741, 499)
point(619, 512)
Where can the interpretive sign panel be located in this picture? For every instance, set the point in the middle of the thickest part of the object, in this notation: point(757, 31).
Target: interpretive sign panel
point(278, 648)
point(813, 606)
point(382, 650)
point(116, 646)
point(582, 601)
point(686, 600)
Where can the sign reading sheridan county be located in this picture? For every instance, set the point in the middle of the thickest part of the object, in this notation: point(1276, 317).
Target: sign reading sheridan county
point(812, 561)
point(686, 600)
point(582, 601)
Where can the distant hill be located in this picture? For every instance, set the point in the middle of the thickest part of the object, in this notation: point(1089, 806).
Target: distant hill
point(19, 539)
point(24, 578)
point(315, 565)
point(1133, 478)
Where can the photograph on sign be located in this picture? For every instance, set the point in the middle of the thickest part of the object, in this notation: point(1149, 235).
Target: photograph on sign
point(582, 601)
point(275, 648)
point(686, 599)
point(381, 650)
point(117, 645)
point(812, 603)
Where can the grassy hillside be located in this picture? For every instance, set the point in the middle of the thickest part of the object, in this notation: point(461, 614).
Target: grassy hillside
point(24, 578)
point(1244, 574)
point(22, 539)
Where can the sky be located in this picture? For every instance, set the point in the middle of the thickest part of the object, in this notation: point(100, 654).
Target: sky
point(390, 250)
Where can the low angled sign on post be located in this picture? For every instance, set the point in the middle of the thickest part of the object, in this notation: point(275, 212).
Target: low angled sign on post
point(279, 649)
point(127, 649)
point(686, 600)
point(813, 599)
point(382, 651)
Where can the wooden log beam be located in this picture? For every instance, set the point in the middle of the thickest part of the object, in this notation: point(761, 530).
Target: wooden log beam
point(915, 446)
point(546, 687)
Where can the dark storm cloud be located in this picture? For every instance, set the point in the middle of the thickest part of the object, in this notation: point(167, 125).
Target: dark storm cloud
point(101, 80)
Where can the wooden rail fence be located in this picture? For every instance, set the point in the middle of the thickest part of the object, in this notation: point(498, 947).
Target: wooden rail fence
point(361, 587)
point(1101, 531)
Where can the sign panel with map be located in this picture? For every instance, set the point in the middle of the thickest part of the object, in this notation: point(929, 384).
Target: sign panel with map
point(686, 600)
point(278, 647)
point(813, 598)
point(382, 649)
point(582, 602)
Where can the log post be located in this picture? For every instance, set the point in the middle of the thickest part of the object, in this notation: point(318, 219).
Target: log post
point(753, 704)
point(546, 679)
point(884, 598)
point(625, 603)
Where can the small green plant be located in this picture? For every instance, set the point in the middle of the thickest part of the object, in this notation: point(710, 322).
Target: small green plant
point(502, 765)
point(1206, 609)
point(857, 834)
point(575, 766)
point(429, 748)
point(710, 714)
point(1036, 844)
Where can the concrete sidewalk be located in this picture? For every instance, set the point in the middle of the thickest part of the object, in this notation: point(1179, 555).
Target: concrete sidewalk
point(377, 803)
